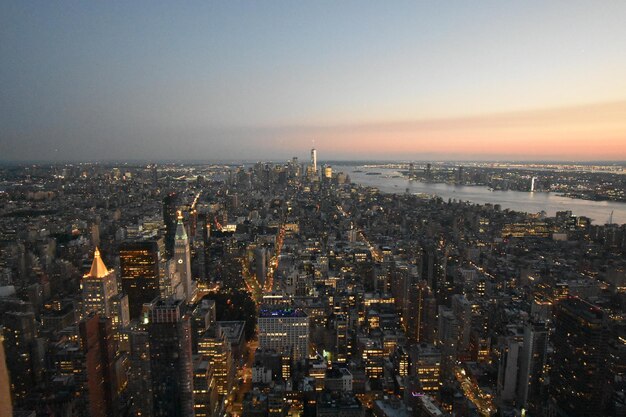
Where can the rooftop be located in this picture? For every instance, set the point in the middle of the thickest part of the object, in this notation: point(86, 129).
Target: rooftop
point(98, 268)
point(233, 330)
point(282, 312)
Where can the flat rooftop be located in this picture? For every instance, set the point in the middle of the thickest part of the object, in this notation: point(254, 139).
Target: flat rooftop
point(233, 330)
point(282, 312)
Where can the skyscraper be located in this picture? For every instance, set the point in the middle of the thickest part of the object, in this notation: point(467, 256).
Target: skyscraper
point(98, 346)
point(171, 363)
point(139, 378)
point(170, 208)
point(141, 271)
point(419, 312)
point(182, 258)
point(19, 342)
point(260, 264)
point(99, 286)
point(314, 161)
point(578, 378)
point(5, 392)
point(508, 369)
point(533, 360)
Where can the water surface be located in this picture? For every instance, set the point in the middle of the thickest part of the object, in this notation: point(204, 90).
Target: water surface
point(391, 181)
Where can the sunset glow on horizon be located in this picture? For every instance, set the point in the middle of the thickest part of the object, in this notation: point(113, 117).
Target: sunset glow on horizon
point(595, 132)
point(518, 81)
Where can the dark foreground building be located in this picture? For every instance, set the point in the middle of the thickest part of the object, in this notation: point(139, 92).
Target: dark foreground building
point(578, 380)
point(170, 359)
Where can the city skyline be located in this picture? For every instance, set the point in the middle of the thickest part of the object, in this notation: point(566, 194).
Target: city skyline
point(234, 81)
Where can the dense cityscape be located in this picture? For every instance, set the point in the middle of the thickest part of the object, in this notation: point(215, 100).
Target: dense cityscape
point(284, 289)
point(320, 208)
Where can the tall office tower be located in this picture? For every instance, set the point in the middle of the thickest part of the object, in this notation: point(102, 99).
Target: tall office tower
point(182, 258)
point(314, 161)
point(99, 286)
point(400, 278)
point(170, 211)
point(98, 346)
point(421, 312)
point(463, 312)
point(448, 337)
point(260, 264)
point(342, 344)
point(578, 377)
point(171, 363)
point(141, 271)
point(139, 376)
point(533, 360)
point(459, 175)
point(5, 392)
point(508, 371)
point(284, 329)
point(432, 269)
point(171, 284)
point(328, 172)
point(216, 350)
point(19, 342)
point(120, 316)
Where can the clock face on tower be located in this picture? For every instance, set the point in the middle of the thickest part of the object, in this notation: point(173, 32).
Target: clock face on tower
point(180, 261)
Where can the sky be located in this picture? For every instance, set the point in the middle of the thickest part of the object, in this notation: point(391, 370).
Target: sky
point(208, 80)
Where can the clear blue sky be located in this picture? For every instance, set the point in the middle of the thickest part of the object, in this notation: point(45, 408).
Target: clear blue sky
point(263, 79)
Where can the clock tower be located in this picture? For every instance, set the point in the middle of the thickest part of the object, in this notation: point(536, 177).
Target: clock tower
point(182, 257)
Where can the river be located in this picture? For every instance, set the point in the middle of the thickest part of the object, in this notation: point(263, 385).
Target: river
point(598, 211)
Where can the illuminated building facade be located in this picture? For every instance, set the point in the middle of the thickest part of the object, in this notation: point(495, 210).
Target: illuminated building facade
point(141, 272)
point(99, 286)
point(373, 356)
point(215, 349)
point(204, 389)
point(314, 161)
point(284, 329)
point(20, 334)
point(426, 365)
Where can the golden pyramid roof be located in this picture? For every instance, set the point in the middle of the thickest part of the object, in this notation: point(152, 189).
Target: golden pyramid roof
point(98, 268)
